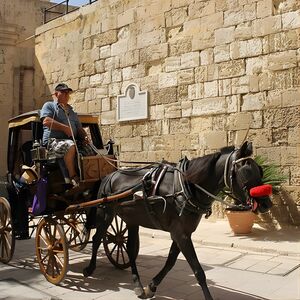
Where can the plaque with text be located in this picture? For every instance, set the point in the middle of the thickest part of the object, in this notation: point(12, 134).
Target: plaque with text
point(133, 104)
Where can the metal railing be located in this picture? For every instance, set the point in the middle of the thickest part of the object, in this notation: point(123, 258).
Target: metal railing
point(60, 9)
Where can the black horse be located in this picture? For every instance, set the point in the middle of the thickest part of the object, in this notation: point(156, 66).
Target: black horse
point(173, 200)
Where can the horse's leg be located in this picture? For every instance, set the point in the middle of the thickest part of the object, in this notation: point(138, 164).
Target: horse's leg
point(187, 248)
point(172, 257)
point(131, 248)
point(97, 239)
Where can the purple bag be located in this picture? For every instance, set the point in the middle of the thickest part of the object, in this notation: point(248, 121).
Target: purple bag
point(39, 200)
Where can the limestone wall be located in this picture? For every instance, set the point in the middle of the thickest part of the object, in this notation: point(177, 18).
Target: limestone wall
point(18, 21)
point(214, 70)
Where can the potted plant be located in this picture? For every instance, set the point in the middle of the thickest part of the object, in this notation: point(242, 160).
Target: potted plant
point(241, 218)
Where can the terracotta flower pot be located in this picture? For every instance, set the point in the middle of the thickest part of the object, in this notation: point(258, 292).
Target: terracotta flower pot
point(241, 222)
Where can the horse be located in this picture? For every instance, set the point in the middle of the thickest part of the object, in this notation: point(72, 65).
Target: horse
point(173, 199)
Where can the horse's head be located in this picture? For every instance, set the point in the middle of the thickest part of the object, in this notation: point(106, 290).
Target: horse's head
point(244, 178)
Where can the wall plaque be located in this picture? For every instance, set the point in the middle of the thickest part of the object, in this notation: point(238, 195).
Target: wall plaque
point(133, 104)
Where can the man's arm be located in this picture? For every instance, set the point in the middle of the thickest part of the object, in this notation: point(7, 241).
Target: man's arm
point(53, 124)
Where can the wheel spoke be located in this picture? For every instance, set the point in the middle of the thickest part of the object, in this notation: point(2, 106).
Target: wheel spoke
point(113, 249)
point(59, 261)
point(117, 224)
point(113, 228)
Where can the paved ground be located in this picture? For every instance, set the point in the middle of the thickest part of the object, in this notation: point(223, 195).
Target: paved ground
point(262, 265)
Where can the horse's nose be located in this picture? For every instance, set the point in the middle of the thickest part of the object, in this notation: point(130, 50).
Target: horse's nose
point(265, 204)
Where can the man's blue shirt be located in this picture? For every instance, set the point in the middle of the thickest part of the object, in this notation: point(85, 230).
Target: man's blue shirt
point(55, 111)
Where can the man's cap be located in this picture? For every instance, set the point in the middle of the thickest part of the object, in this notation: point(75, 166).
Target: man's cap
point(61, 87)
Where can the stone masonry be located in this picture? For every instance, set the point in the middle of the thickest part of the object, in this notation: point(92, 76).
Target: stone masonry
point(217, 71)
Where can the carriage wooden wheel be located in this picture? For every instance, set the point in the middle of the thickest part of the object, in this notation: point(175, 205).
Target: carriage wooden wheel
point(76, 233)
point(52, 250)
point(7, 239)
point(115, 244)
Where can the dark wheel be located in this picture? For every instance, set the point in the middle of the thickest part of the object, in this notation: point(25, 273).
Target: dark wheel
point(52, 250)
point(7, 238)
point(76, 233)
point(115, 244)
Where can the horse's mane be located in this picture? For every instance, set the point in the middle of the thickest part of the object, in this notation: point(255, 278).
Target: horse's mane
point(199, 168)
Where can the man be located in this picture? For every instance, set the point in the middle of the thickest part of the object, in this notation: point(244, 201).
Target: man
point(61, 126)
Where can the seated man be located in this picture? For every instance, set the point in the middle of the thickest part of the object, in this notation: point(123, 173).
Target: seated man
point(61, 127)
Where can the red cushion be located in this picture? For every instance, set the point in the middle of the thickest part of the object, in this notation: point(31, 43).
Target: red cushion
point(261, 190)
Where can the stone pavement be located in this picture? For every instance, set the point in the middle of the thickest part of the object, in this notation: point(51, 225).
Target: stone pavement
point(262, 265)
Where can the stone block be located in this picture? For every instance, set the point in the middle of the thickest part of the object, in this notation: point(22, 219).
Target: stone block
point(140, 130)
point(294, 137)
point(167, 79)
point(272, 154)
point(256, 65)
point(221, 53)
point(224, 35)
point(151, 38)
point(253, 101)
point(125, 18)
point(201, 74)
point(182, 125)
point(190, 60)
point(266, 26)
point(195, 91)
point(105, 52)
point(176, 16)
point(291, 20)
point(235, 17)
point(211, 89)
point(291, 97)
point(154, 52)
point(243, 31)
point(102, 91)
point(282, 61)
point(241, 85)
point(172, 63)
point(116, 75)
point(225, 87)
point(163, 96)
point(172, 110)
point(131, 144)
point(200, 124)
point(231, 69)
point(283, 41)
point(261, 137)
point(264, 8)
point(180, 46)
point(239, 121)
point(90, 94)
point(209, 106)
point(233, 103)
point(130, 58)
point(94, 106)
point(214, 139)
point(99, 66)
point(96, 79)
point(81, 107)
point(123, 131)
point(156, 112)
point(105, 38)
point(200, 9)
point(185, 77)
point(105, 104)
point(200, 43)
point(119, 48)
point(186, 108)
point(289, 156)
point(207, 57)
point(242, 49)
point(108, 117)
point(253, 83)
point(84, 82)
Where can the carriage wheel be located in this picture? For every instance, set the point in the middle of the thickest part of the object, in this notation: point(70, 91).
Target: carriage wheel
point(7, 238)
point(52, 250)
point(76, 233)
point(115, 244)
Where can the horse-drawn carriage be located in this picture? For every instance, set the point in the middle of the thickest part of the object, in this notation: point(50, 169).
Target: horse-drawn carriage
point(169, 197)
point(38, 197)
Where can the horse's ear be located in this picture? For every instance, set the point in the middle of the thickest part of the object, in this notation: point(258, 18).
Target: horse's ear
point(245, 150)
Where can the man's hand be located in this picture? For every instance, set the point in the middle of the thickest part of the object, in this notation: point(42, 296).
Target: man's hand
point(68, 131)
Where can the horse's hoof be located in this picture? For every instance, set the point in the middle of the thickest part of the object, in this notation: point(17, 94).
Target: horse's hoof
point(88, 271)
point(148, 292)
point(139, 292)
